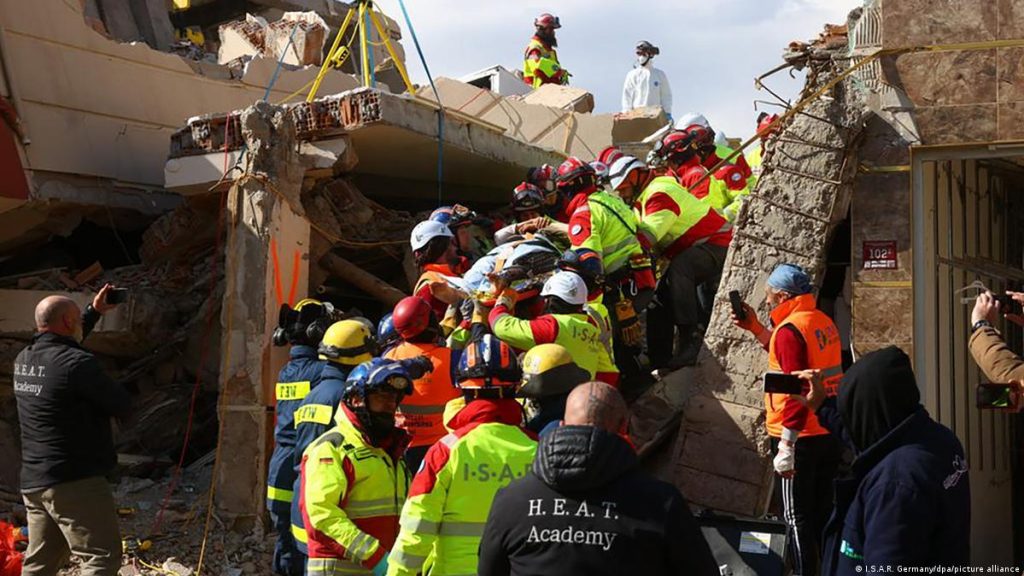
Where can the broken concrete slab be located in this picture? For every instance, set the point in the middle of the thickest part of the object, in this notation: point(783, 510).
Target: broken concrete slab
point(563, 97)
point(298, 38)
point(242, 39)
point(638, 124)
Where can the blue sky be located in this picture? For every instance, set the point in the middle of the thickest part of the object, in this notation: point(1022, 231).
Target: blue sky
point(711, 50)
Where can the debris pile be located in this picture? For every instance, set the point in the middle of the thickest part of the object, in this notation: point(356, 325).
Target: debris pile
point(298, 39)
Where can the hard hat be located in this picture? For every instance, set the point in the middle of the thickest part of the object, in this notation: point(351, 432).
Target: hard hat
point(462, 216)
point(489, 364)
point(348, 342)
point(620, 169)
point(645, 47)
point(610, 154)
point(304, 324)
point(567, 286)
point(411, 316)
point(377, 374)
point(675, 143)
point(721, 139)
point(527, 198)
point(387, 336)
point(764, 121)
point(690, 119)
point(548, 370)
point(547, 21)
point(600, 169)
point(542, 176)
point(572, 171)
point(442, 215)
point(586, 263)
point(426, 231)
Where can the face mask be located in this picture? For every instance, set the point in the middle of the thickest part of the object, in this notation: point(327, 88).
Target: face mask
point(379, 425)
point(642, 59)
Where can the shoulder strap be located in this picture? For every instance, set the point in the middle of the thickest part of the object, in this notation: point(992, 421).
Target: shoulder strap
point(614, 213)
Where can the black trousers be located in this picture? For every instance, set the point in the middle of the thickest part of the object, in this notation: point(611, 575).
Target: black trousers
point(676, 301)
point(807, 498)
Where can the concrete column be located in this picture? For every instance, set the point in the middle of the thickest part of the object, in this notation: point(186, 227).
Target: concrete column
point(266, 264)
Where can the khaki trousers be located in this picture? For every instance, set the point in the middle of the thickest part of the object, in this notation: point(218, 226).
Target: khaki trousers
point(77, 517)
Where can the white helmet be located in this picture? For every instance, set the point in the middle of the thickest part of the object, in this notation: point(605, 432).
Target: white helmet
point(621, 168)
point(568, 286)
point(721, 139)
point(691, 118)
point(426, 231)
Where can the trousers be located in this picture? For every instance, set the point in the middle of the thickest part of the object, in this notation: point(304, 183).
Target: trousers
point(77, 517)
point(807, 498)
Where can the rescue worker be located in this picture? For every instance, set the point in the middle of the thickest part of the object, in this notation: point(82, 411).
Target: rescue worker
point(354, 481)
point(549, 375)
point(586, 264)
point(420, 414)
point(451, 495)
point(528, 205)
point(718, 148)
point(436, 256)
point(540, 61)
point(725, 188)
point(302, 327)
point(564, 323)
point(646, 85)
point(387, 336)
point(756, 156)
point(344, 345)
point(807, 455)
point(691, 239)
point(602, 222)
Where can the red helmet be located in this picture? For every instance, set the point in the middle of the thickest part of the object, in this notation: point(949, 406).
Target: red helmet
point(572, 171)
point(763, 122)
point(543, 177)
point(609, 155)
point(702, 135)
point(527, 198)
point(675, 143)
point(547, 21)
point(411, 316)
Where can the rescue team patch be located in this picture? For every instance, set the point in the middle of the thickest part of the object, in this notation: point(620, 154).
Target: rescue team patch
point(327, 460)
point(576, 230)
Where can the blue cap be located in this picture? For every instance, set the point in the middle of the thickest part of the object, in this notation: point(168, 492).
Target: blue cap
point(790, 278)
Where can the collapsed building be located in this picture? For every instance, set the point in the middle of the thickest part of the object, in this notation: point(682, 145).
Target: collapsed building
point(892, 178)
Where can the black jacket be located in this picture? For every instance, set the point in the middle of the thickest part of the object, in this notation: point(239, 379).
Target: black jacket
point(65, 402)
point(587, 509)
point(907, 501)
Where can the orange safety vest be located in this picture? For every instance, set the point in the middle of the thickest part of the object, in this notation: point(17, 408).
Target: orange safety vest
point(824, 352)
point(420, 414)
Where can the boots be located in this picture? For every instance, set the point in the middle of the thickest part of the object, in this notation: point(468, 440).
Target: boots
point(690, 341)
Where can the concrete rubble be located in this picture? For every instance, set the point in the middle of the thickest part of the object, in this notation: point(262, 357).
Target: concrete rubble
point(297, 39)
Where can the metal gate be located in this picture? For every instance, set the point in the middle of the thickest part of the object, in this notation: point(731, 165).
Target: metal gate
point(968, 227)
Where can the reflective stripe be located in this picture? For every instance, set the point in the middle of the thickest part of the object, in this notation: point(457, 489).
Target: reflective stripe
point(279, 494)
point(315, 413)
point(408, 561)
point(333, 567)
point(470, 529)
point(421, 409)
point(361, 546)
point(420, 525)
point(449, 440)
point(363, 504)
point(291, 390)
point(299, 533)
point(374, 513)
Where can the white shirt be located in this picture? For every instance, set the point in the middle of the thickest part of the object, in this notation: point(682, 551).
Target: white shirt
point(646, 86)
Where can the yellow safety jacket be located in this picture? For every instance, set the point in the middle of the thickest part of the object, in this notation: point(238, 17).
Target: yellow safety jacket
point(547, 64)
point(613, 228)
point(351, 497)
point(451, 495)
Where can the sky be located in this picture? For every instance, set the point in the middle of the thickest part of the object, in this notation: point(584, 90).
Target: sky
point(711, 50)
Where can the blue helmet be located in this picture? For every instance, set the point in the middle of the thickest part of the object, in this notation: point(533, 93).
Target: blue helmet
point(379, 374)
point(488, 364)
point(442, 215)
point(387, 336)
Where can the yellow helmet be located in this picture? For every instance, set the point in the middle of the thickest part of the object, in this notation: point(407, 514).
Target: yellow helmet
point(348, 342)
point(548, 370)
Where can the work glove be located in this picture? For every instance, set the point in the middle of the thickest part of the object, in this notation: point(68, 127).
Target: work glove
point(785, 459)
point(508, 298)
point(630, 331)
point(381, 569)
point(418, 367)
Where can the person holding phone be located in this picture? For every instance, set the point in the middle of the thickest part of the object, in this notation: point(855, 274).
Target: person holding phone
point(807, 456)
point(994, 357)
point(65, 403)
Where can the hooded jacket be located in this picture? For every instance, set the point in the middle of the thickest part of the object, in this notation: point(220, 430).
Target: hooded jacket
point(586, 508)
point(907, 499)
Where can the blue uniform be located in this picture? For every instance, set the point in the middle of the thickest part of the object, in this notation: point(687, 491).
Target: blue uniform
point(314, 417)
point(295, 381)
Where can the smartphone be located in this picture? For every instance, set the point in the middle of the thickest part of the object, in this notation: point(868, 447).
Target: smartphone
point(782, 383)
point(117, 296)
point(998, 397)
point(737, 305)
point(1007, 305)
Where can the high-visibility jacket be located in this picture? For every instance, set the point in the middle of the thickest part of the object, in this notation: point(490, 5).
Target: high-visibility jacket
point(315, 416)
point(724, 190)
point(434, 273)
point(420, 413)
point(606, 225)
point(755, 159)
point(824, 352)
point(578, 333)
point(352, 495)
point(675, 220)
point(299, 376)
point(550, 71)
point(600, 316)
point(451, 495)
